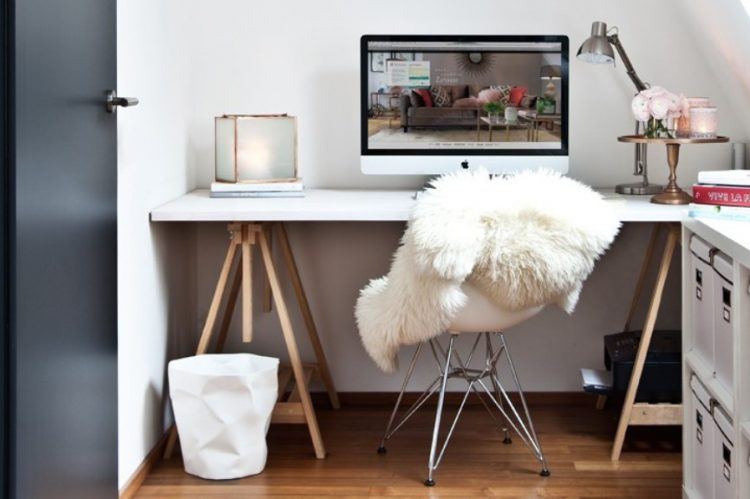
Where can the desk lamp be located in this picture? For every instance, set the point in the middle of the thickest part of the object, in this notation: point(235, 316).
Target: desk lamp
point(598, 49)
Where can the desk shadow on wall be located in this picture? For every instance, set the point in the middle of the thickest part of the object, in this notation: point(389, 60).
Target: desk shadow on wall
point(336, 259)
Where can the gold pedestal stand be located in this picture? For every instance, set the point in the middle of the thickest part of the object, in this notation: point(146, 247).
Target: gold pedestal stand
point(672, 194)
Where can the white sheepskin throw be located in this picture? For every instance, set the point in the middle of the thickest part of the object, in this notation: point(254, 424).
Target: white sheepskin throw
point(525, 240)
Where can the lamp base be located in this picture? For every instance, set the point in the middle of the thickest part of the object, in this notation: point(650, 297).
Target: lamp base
point(639, 189)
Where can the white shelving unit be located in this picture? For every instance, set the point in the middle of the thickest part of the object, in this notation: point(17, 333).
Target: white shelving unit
point(733, 239)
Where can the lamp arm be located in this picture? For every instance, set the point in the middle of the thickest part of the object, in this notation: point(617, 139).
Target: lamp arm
point(615, 41)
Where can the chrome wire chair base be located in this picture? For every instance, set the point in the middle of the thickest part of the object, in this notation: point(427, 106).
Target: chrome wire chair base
point(484, 382)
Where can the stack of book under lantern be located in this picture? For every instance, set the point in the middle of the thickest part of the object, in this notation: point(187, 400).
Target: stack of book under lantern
point(722, 194)
point(271, 189)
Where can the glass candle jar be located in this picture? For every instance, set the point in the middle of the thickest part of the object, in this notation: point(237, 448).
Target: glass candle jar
point(703, 122)
point(682, 124)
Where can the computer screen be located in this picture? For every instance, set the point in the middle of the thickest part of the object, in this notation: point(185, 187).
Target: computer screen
point(431, 103)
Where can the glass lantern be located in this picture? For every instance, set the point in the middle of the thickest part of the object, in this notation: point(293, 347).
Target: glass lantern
point(256, 148)
point(703, 122)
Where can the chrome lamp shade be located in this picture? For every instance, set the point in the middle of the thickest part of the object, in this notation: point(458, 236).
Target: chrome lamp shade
point(597, 48)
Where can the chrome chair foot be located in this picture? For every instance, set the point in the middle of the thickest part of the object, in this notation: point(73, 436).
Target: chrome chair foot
point(382, 450)
point(429, 482)
point(507, 440)
point(545, 472)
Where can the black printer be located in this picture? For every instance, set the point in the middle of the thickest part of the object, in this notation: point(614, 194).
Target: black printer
point(662, 373)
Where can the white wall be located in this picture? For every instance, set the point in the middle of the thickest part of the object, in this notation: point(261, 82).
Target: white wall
point(722, 34)
point(306, 63)
point(302, 57)
point(156, 281)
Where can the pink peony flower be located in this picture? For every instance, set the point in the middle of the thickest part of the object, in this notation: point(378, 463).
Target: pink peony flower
point(640, 108)
point(659, 106)
point(675, 105)
point(652, 92)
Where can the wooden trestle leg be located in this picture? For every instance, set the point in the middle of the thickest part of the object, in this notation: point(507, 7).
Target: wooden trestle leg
point(643, 413)
point(298, 407)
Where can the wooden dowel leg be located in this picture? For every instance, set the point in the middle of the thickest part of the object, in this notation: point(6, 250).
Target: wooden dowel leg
point(325, 373)
point(645, 341)
point(247, 279)
point(267, 298)
point(226, 321)
point(645, 264)
point(209, 325)
point(291, 345)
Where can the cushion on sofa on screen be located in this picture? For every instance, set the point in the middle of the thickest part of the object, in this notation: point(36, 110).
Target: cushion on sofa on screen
point(504, 91)
point(415, 99)
point(441, 96)
point(467, 103)
point(490, 95)
point(475, 89)
point(515, 95)
point(459, 92)
point(425, 95)
point(528, 101)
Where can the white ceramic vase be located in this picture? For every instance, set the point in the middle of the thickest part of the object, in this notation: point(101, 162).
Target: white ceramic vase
point(511, 114)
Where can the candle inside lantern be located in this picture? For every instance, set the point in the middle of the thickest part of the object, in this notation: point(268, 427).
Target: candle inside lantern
point(703, 122)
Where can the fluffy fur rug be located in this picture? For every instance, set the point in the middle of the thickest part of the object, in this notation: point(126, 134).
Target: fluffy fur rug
point(525, 240)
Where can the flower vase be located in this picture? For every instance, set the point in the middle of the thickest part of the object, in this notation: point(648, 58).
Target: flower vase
point(659, 129)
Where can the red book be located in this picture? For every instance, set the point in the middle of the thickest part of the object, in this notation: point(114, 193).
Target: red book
point(722, 195)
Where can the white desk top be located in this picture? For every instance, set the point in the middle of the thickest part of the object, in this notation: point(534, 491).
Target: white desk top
point(343, 205)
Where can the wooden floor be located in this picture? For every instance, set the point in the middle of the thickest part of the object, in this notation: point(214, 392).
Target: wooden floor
point(576, 440)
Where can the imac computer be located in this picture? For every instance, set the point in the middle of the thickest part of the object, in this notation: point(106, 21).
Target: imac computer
point(437, 104)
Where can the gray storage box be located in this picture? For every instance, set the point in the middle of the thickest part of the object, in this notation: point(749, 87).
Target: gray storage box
point(722, 318)
point(725, 481)
point(702, 442)
point(702, 278)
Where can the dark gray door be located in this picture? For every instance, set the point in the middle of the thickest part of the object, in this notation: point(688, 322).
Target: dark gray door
point(62, 250)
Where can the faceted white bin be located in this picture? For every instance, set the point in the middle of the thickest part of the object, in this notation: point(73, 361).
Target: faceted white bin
point(222, 406)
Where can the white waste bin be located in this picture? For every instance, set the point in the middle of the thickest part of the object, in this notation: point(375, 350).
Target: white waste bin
point(222, 406)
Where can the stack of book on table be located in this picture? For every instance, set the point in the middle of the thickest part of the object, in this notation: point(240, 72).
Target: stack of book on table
point(722, 194)
point(271, 189)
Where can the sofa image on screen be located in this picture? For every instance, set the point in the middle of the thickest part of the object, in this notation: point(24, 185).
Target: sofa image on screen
point(457, 106)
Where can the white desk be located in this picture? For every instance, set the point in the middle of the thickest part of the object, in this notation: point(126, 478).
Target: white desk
point(341, 205)
point(251, 219)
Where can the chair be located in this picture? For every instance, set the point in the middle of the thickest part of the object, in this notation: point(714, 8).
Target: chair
point(484, 319)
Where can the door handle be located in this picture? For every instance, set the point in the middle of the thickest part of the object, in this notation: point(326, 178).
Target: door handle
point(113, 101)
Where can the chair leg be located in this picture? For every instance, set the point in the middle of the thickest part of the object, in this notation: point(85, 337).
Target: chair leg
point(438, 414)
point(407, 378)
point(545, 469)
point(490, 353)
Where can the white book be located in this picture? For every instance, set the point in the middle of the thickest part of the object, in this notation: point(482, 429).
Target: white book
point(266, 194)
point(257, 187)
point(714, 211)
point(725, 177)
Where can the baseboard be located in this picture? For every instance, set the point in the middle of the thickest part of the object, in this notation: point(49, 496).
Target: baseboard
point(139, 475)
point(354, 399)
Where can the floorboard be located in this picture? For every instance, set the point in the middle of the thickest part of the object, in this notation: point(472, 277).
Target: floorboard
point(576, 441)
